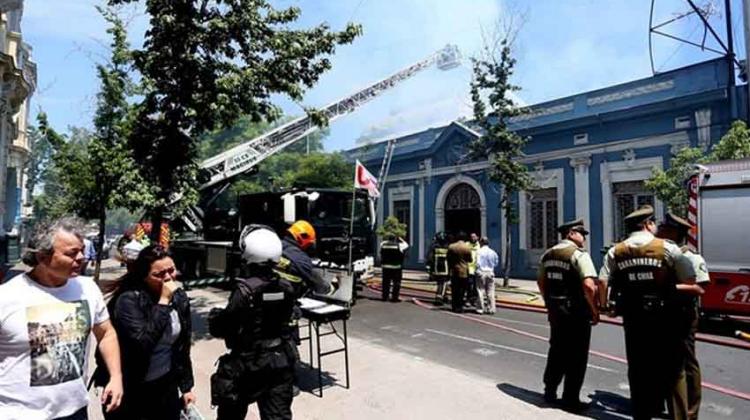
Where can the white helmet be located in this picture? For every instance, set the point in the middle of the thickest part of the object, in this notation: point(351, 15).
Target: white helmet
point(260, 245)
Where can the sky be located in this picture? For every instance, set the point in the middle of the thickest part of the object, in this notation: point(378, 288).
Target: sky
point(562, 48)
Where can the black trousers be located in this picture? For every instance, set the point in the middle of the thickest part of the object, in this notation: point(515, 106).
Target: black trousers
point(274, 400)
point(568, 355)
point(391, 283)
point(81, 414)
point(655, 364)
point(154, 400)
point(458, 292)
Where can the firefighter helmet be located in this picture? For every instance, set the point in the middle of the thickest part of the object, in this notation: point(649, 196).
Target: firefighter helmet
point(260, 245)
point(303, 233)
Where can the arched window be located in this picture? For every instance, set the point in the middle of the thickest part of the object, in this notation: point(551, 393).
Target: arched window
point(462, 196)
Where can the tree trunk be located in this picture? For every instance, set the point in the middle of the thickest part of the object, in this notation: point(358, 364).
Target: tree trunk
point(100, 244)
point(506, 268)
point(156, 220)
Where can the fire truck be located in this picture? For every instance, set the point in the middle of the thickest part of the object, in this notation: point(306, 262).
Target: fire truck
point(719, 210)
point(207, 243)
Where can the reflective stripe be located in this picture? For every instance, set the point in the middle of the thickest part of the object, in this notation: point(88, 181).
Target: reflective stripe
point(272, 297)
point(391, 266)
point(288, 277)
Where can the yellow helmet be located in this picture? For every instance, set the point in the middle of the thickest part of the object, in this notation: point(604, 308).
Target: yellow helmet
point(303, 233)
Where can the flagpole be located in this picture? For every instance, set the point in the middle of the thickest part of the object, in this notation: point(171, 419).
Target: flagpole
point(350, 269)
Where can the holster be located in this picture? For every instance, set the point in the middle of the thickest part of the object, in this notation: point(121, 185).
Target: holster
point(227, 380)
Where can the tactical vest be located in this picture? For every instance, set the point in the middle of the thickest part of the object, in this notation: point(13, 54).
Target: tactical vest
point(267, 319)
point(390, 255)
point(643, 278)
point(563, 286)
point(440, 262)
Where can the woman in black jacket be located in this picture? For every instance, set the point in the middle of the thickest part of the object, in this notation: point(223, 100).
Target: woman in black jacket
point(152, 317)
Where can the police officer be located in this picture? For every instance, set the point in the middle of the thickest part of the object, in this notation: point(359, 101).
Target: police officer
point(256, 328)
point(645, 269)
point(567, 281)
point(459, 257)
point(437, 265)
point(391, 260)
point(295, 264)
point(675, 229)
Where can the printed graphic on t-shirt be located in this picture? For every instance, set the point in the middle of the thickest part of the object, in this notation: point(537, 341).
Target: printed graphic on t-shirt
point(57, 339)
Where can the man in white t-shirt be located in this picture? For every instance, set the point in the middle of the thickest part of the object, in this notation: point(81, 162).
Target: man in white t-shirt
point(46, 318)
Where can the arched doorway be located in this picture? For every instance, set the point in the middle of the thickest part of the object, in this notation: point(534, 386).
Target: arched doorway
point(463, 210)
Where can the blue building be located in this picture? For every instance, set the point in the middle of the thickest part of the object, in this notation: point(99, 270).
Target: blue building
point(588, 155)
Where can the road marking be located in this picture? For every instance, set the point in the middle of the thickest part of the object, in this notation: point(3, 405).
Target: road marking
point(719, 409)
point(531, 324)
point(484, 352)
point(624, 386)
point(417, 335)
point(500, 346)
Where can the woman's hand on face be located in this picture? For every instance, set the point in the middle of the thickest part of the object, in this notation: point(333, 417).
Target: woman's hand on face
point(188, 398)
point(167, 291)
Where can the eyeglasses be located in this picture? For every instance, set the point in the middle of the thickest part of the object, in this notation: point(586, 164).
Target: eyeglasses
point(163, 273)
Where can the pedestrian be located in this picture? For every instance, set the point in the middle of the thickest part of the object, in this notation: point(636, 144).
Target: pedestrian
point(437, 265)
point(255, 326)
point(676, 229)
point(471, 291)
point(89, 254)
point(48, 314)
point(151, 314)
point(487, 260)
point(567, 282)
point(459, 257)
point(392, 260)
point(645, 269)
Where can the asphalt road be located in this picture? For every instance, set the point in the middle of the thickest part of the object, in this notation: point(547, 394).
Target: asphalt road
point(516, 361)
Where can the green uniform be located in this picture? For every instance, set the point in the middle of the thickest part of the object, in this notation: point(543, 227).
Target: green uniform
point(690, 327)
point(645, 269)
point(562, 271)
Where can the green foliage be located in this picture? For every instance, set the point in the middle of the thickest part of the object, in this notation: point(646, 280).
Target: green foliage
point(204, 65)
point(290, 169)
point(392, 228)
point(504, 147)
point(669, 185)
point(735, 144)
point(491, 80)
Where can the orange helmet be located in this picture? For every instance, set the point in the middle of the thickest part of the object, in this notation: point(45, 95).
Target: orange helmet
point(303, 233)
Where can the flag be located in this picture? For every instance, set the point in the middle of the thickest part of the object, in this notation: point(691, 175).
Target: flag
point(364, 179)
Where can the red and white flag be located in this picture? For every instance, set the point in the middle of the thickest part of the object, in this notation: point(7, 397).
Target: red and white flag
point(364, 179)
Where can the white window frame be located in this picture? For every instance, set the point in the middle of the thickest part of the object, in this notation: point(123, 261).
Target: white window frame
point(405, 193)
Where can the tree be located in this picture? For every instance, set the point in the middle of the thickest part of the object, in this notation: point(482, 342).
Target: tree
point(669, 185)
point(491, 80)
point(392, 227)
point(204, 64)
point(98, 171)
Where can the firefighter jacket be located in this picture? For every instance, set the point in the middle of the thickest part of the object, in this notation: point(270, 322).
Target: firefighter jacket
point(296, 267)
point(437, 258)
point(391, 254)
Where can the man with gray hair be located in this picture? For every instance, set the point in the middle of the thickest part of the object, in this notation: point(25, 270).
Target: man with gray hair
point(46, 317)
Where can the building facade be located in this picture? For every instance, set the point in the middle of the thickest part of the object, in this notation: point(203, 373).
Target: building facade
point(588, 154)
point(17, 84)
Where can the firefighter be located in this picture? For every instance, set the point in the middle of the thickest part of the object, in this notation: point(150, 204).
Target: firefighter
point(676, 229)
point(295, 264)
point(567, 281)
point(437, 265)
point(391, 261)
point(256, 328)
point(646, 269)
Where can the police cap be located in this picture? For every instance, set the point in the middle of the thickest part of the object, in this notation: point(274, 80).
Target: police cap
point(677, 222)
point(576, 225)
point(641, 215)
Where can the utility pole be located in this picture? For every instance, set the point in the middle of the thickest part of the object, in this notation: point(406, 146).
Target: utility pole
point(730, 60)
point(746, 25)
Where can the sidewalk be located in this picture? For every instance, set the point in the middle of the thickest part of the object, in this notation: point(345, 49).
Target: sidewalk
point(385, 384)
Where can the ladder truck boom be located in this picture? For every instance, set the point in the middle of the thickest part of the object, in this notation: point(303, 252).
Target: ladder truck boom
point(244, 157)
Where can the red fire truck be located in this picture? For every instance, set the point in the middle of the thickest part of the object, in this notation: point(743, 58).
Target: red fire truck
point(720, 212)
